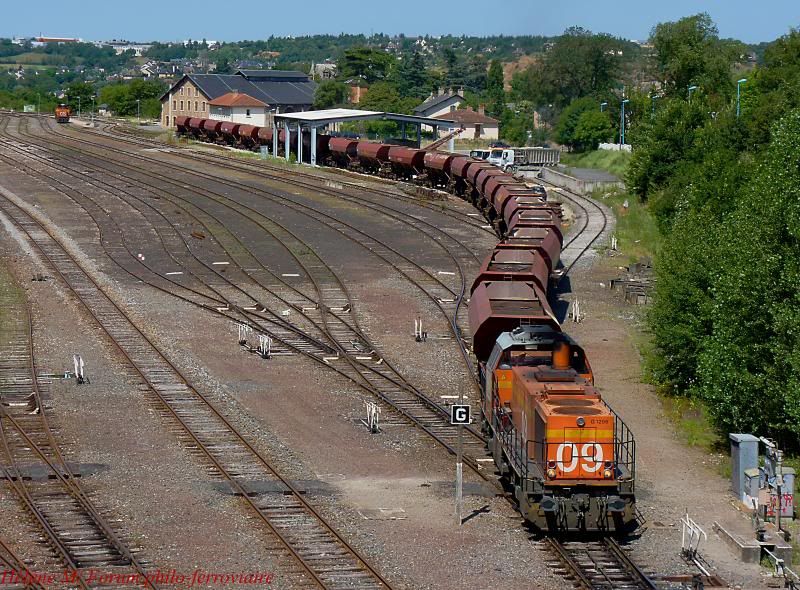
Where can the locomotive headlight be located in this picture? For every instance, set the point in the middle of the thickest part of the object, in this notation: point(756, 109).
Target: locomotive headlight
point(608, 474)
point(581, 422)
point(551, 473)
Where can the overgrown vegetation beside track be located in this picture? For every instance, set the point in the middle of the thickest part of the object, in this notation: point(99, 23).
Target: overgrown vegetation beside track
point(714, 191)
point(725, 192)
point(636, 231)
point(615, 163)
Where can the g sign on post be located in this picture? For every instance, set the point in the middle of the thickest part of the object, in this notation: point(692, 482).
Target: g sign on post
point(459, 415)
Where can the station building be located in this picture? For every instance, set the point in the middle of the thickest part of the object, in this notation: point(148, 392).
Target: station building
point(440, 104)
point(280, 91)
point(476, 124)
point(238, 107)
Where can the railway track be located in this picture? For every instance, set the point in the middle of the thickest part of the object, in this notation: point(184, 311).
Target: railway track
point(40, 477)
point(119, 133)
point(604, 564)
point(11, 562)
point(593, 225)
point(412, 405)
point(323, 558)
point(598, 565)
point(449, 299)
point(369, 371)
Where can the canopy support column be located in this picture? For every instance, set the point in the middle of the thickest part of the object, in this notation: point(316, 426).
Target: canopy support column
point(287, 139)
point(299, 143)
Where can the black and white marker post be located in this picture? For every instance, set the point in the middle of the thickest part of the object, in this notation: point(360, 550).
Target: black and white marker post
point(459, 416)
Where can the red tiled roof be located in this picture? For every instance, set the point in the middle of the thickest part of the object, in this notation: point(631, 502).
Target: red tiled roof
point(467, 116)
point(236, 99)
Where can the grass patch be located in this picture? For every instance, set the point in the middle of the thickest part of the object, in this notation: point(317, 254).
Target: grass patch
point(615, 163)
point(693, 423)
point(637, 233)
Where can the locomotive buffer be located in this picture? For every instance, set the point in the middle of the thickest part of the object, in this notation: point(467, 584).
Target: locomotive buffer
point(460, 416)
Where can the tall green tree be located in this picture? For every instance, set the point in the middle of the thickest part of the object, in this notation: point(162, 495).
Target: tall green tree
point(749, 366)
point(579, 64)
point(689, 52)
point(365, 63)
point(568, 121)
point(456, 69)
point(79, 94)
point(772, 89)
point(121, 97)
point(411, 77)
point(330, 93)
point(495, 89)
point(592, 129)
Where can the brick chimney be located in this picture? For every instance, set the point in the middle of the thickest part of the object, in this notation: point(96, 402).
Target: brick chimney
point(482, 109)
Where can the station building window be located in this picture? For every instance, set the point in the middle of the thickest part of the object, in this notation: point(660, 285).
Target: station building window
point(181, 105)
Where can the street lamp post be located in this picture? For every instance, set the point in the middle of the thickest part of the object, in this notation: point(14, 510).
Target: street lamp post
point(691, 89)
point(622, 122)
point(138, 111)
point(79, 107)
point(92, 111)
point(654, 98)
point(739, 96)
point(603, 106)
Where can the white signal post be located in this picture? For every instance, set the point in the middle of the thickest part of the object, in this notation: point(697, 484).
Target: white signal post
point(459, 416)
point(460, 476)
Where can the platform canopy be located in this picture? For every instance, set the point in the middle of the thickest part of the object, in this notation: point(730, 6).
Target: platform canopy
point(313, 120)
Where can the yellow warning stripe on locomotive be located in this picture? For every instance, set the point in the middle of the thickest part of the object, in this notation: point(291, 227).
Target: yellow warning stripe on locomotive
point(579, 434)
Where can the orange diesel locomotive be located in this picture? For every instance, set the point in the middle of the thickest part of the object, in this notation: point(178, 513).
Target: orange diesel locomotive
point(62, 113)
point(569, 458)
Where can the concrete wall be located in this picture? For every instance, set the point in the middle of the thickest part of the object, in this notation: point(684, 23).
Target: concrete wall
point(615, 147)
point(576, 185)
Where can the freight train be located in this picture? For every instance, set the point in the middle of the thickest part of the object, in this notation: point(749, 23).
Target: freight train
point(567, 457)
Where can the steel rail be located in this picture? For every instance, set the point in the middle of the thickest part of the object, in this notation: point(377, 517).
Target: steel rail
point(606, 565)
point(124, 340)
point(60, 469)
point(403, 410)
point(266, 165)
point(398, 217)
point(581, 203)
point(14, 563)
point(455, 329)
point(433, 405)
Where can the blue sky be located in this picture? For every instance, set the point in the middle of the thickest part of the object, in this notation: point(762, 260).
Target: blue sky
point(144, 20)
